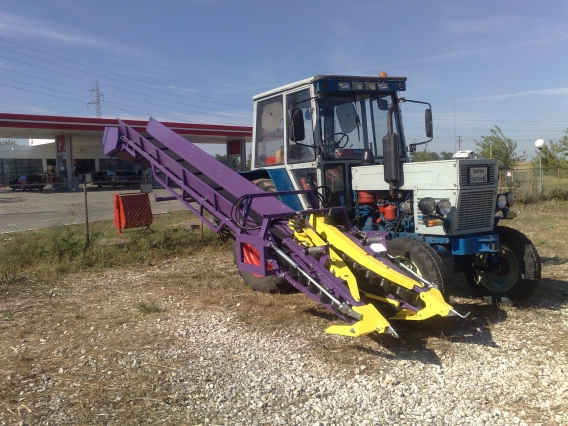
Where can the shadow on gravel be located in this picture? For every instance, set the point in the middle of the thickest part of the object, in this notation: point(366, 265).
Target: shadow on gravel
point(555, 260)
point(427, 341)
point(551, 294)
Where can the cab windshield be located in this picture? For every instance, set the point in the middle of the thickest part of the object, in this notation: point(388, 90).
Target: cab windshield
point(351, 123)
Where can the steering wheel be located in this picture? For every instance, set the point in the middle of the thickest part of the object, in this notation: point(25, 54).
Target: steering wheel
point(337, 144)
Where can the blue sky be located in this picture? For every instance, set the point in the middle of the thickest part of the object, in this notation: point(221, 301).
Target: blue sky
point(479, 63)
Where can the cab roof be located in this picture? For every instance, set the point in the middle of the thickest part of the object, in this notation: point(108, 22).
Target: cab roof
point(336, 78)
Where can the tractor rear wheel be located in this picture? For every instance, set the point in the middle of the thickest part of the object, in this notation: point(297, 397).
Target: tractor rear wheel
point(517, 274)
point(422, 260)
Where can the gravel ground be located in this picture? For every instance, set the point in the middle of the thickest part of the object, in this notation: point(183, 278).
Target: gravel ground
point(219, 354)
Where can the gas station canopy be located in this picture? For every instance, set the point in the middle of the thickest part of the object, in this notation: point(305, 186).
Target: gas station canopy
point(25, 126)
point(79, 143)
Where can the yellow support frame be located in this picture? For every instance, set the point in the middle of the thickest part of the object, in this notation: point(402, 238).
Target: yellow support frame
point(433, 300)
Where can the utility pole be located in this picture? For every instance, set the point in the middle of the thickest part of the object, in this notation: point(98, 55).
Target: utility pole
point(97, 100)
point(459, 142)
point(454, 102)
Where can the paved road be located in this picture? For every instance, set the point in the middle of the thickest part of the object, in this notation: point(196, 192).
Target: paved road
point(21, 211)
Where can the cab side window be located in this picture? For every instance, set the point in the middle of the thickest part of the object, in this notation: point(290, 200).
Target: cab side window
point(301, 151)
point(269, 132)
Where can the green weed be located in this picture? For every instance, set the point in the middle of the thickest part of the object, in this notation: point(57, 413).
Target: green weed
point(148, 307)
point(47, 254)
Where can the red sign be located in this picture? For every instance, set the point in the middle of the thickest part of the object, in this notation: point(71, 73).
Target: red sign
point(234, 147)
point(60, 141)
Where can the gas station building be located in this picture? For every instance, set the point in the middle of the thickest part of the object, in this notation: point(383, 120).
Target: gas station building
point(77, 153)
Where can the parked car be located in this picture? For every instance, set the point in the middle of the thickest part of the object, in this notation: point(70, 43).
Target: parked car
point(28, 182)
point(120, 178)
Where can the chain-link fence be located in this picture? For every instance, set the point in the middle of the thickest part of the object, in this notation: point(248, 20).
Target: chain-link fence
point(99, 206)
point(526, 183)
point(34, 205)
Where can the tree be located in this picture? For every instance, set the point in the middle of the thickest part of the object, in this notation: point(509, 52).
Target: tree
point(554, 154)
point(500, 147)
point(8, 142)
point(446, 155)
point(420, 156)
point(223, 159)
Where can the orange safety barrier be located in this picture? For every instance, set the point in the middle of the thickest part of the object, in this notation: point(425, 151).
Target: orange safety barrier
point(132, 211)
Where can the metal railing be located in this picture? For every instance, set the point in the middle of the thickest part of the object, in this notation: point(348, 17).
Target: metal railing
point(526, 182)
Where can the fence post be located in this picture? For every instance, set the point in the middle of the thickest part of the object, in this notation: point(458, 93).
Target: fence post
point(86, 213)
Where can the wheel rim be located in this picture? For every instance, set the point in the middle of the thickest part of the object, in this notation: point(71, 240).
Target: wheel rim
point(505, 277)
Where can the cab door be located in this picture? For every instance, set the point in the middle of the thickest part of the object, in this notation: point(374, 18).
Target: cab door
point(300, 155)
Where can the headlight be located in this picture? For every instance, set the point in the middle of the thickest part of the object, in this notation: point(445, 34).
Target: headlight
point(444, 207)
point(501, 201)
point(427, 205)
point(510, 198)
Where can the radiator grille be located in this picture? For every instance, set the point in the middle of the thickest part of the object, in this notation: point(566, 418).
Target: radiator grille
point(464, 170)
point(475, 210)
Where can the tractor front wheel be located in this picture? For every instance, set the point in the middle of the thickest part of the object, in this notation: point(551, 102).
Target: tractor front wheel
point(514, 277)
point(421, 259)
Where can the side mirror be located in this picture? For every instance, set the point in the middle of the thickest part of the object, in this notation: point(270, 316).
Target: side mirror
point(383, 104)
point(428, 123)
point(296, 130)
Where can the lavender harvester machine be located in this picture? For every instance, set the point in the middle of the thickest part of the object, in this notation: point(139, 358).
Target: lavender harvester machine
point(328, 260)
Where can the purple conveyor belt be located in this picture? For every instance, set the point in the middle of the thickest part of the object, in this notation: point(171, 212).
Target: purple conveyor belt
point(187, 156)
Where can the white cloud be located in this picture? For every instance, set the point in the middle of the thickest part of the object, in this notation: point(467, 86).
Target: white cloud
point(16, 26)
point(502, 24)
point(559, 91)
point(507, 25)
point(472, 52)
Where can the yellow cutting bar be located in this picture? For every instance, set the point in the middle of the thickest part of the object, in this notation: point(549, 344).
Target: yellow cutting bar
point(308, 238)
point(372, 319)
point(434, 303)
point(340, 241)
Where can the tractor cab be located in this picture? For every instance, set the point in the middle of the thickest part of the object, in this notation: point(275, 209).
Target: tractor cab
point(309, 134)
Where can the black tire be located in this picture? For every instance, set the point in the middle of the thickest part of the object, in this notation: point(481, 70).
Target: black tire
point(519, 269)
point(422, 259)
point(267, 284)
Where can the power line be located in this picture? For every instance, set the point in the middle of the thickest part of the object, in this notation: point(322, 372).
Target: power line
point(39, 93)
point(97, 100)
point(219, 113)
point(117, 88)
point(129, 78)
point(504, 121)
point(116, 105)
point(35, 85)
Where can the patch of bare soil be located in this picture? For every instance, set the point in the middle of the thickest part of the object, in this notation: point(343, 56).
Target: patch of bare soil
point(83, 351)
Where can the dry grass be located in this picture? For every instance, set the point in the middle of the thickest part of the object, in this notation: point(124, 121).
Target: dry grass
point(96, 347)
